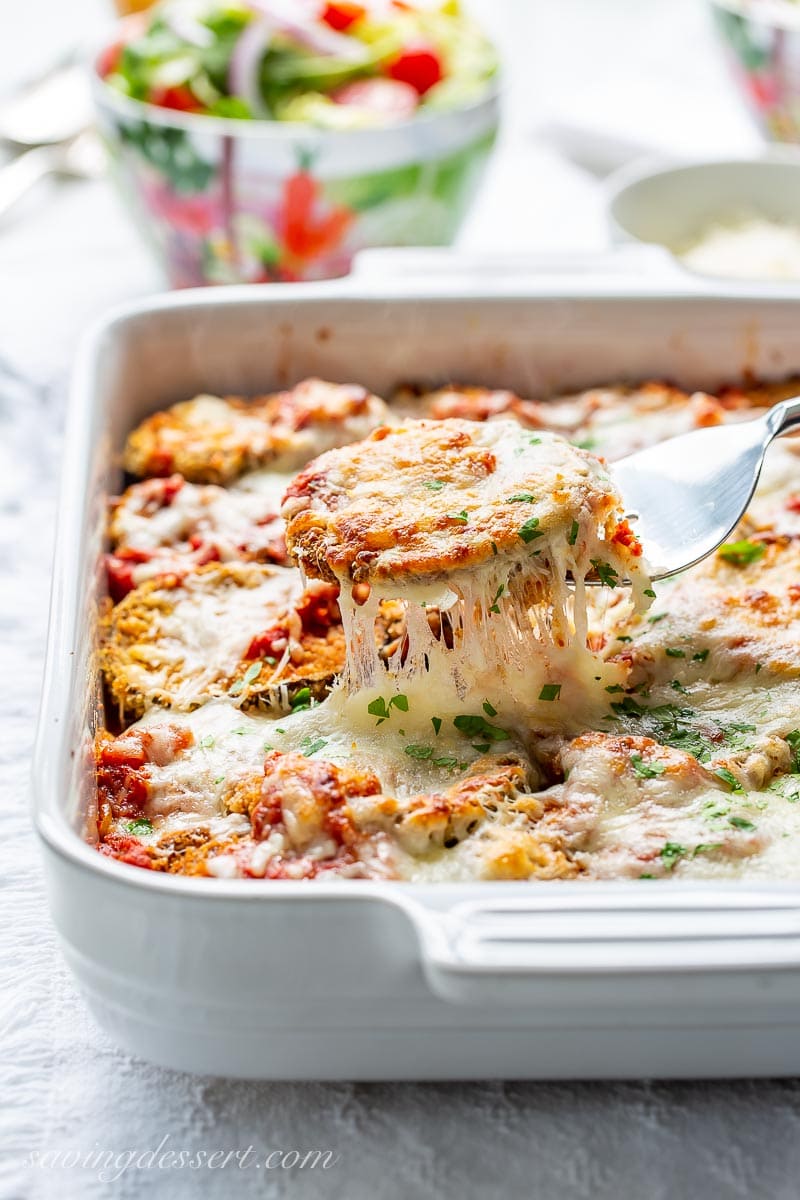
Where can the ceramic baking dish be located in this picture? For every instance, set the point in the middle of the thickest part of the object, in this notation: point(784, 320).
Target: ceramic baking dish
point(364, 980)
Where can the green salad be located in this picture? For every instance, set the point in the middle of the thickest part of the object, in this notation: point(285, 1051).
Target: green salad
point(338, 64)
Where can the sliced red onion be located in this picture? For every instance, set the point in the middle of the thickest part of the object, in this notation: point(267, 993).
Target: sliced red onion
point(307, 29)
point(244, 70)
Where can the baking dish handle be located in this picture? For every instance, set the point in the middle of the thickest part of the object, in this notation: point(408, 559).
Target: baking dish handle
point(521, 949)
point(622, 262)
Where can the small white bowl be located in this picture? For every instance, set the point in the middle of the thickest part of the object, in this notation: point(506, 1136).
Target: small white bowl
point(673, 205)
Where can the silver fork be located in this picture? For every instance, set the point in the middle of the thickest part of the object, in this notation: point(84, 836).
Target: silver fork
point(688, 494)
point(49, 122)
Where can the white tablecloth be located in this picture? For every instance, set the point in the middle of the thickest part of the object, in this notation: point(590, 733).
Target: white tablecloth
point(646, 69)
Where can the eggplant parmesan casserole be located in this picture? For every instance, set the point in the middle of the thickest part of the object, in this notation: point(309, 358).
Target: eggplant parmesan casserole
point(346, 638)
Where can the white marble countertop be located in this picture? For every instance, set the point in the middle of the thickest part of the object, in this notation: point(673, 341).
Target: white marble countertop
point(63, 261)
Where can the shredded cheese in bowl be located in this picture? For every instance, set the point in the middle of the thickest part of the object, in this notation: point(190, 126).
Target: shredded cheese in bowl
point(746, 248)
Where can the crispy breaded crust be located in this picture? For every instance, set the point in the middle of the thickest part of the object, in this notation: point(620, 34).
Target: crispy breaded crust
point(430, 497)
point(178, 643)
point(214, 440)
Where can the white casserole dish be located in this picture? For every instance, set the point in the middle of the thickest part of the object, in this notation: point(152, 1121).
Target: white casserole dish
point(364, 980)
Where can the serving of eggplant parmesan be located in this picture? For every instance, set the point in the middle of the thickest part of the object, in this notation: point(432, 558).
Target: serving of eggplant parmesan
point(352, 638)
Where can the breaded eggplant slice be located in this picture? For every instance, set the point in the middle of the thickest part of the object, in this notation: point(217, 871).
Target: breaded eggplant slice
point(241, 630)
point(170, 527)
point(214, 440)
point(426, 499)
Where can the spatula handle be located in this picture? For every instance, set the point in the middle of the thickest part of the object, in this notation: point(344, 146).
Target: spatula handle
point(784, 416)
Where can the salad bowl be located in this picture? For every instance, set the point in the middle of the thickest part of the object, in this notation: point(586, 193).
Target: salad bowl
point(289, 189)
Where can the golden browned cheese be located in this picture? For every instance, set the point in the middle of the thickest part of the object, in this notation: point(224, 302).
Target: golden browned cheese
point(235, 630)
point(688, 768)
point(213, 440)
point(169, 526)
point(427, 498)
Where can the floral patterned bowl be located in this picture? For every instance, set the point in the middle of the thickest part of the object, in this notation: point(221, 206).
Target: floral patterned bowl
point(233, 201)
point(762, 43)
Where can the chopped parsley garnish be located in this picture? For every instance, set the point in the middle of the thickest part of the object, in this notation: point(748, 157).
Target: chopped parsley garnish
point(572, 536)
point(733, 783)
point(301, 699)
point(481, 747)
point(615, 687)
point(741, 823)
point(673, 652)
point(677, 686)
point(436, 722)
point(489, 709)
point(416, 751)
point(550, 691)
point(494, 548)
point(787, 786)
point(624, 638)
point(267, 748)
point(588, 443)
point(494, 607)
point(207, 742)
point(252, 672)
point(646, 770)
point(706, 848)
point(433, 485)
point(462, 517)
point(474, 726)
point(793, 741)
point(530, 531)
point(221, 778)
point(380, 709)
point(670, 853)
point(522, 498)
point(310, 747)
point(605, 572)
point(534, 441)
point(701, 656)
point(240, 732)
point(447, 760)
point(680, 727)
point(142, 824)
point(656, 618)
point(742, 553)
point(650, 592)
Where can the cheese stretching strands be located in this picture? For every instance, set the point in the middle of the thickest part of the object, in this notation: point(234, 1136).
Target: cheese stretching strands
point(488, 535)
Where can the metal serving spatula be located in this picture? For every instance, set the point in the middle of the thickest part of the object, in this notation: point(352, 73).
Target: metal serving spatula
point(689, 493)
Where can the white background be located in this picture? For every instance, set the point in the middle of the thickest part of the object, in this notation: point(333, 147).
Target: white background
point(645, 70)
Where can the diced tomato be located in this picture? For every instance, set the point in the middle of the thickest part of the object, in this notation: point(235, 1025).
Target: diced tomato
point(625, 536)
point(123, 789)
point(127, 750)
point(268, 644)
point(340, 14)
point(119, 570)
point(318, 608)
point(793, 504)
point(109, 59)
point(159, 493)
point(385, 97)
point(204, 552)
point(181, 99)
point(126, 849)
point(419, 65)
